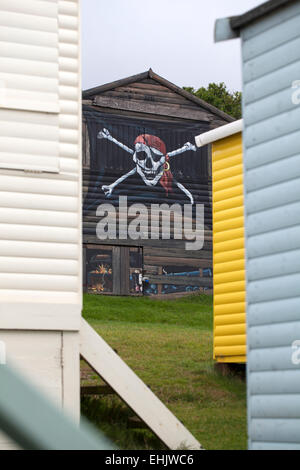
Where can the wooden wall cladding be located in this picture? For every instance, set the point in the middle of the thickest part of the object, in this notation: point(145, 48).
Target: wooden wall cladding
point(147, 96)
point(168, 267)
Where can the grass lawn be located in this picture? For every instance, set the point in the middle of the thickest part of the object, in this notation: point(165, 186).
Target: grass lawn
point(168, 344)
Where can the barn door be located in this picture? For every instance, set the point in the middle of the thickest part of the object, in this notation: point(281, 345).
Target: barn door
point(121, 270)
point(136, 271)
point(128, 270)
point(115, 270)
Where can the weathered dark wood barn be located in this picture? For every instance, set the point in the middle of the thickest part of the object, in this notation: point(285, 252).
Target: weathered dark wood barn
point(138, 142)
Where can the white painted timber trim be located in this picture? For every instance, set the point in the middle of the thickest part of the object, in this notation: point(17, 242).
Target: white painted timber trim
point(113, 370)
point(220, 133)
point(71, 374)
point(223, 30)
point(40, 316)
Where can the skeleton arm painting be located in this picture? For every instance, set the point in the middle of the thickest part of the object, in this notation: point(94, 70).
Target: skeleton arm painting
point(104, 134)
point(108, 189)
point(150, 158)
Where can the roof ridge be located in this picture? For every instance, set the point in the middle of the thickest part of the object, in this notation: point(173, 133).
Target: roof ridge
point(154, 76)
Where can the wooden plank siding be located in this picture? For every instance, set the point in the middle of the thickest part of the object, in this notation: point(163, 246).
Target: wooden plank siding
point(271, 54)
point(147, 99)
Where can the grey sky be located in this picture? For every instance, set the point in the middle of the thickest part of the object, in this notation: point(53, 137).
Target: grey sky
point(173, 37)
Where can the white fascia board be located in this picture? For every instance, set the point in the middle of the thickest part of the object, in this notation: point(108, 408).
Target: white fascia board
point(220, 133)
point(223, 30)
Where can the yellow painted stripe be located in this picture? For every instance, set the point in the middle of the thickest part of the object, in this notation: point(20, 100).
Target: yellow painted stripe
point(228, 193)
point(230, 266)
point(236, 222)
point(231, 350)
point(225, 152)
point(230, 319)
point(230, 309)
point(230, 234)
point(232, 359)
point(225, 163)
point(230, 340)
point(230, 255)
point(228, 183)
point(229, 203)
point(230, 287)
point(230, 298)
point(229, 245)
point(230, 276)
point(228, 215)
point(231, 329)
point(228, 172)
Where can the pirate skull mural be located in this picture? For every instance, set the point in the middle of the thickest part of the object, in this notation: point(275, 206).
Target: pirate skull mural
point(150, 158)
point(151, 162)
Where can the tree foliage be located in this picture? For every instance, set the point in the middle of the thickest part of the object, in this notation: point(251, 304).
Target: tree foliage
point(219, 96)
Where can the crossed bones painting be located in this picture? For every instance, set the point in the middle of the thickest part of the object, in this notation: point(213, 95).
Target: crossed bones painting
point(152, 162)
point(146, 161)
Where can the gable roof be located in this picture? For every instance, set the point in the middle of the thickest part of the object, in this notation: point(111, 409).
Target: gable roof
point(86, 94)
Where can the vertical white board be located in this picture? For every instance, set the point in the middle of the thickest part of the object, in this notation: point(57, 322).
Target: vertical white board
point(40, 195)
point(40, 165)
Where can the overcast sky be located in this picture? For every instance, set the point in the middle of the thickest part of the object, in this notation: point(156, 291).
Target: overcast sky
point(174, 37)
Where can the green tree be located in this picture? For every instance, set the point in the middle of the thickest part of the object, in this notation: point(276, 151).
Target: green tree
point(219, 96)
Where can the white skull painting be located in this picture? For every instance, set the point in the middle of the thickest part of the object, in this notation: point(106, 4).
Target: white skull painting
point(151, 162)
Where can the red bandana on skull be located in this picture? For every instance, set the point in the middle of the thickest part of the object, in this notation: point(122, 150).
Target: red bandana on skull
point(157, 143)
